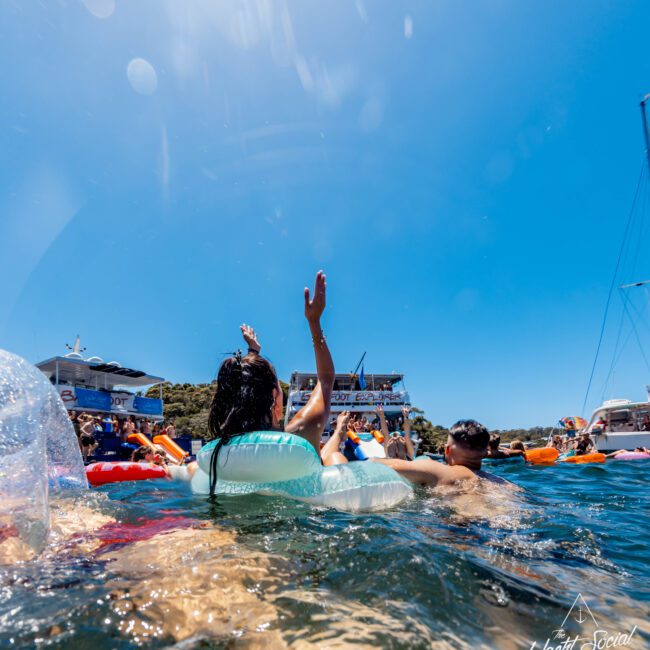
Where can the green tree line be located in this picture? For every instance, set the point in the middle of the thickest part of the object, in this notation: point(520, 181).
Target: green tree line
point(188, 406)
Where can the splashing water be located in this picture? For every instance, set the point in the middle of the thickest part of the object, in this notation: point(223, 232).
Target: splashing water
point(39, 452)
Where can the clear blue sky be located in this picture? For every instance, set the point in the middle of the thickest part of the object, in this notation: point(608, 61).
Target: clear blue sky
point(462, 171)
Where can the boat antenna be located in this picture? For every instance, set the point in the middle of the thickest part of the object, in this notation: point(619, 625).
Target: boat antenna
point(363, 356)
point(77, 346)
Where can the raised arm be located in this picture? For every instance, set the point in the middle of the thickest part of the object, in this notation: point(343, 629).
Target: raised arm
point(410, 451)
point(250, 337)
point(314, 309)
point(330, 453)
point(310, 421)
point(383, 427)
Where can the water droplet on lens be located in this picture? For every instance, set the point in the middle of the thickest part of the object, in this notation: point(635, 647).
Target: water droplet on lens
point(100, 8)
point(142, 76)
point(408, 27)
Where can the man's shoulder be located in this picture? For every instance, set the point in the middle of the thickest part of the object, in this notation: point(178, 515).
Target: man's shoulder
point(447, 473)
point(461, 472)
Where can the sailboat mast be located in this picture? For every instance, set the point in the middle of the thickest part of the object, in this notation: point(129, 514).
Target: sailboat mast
point(646, 135)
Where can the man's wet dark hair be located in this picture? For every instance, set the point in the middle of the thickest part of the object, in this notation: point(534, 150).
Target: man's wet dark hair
point(470, 434)
point(495, 441)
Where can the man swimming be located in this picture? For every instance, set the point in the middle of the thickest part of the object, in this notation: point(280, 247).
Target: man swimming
point(495, 451)
point(466, 447)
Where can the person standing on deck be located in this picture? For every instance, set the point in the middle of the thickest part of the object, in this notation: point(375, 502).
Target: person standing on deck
point(128, 428)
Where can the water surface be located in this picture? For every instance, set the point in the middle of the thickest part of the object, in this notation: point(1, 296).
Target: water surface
point(151, 564)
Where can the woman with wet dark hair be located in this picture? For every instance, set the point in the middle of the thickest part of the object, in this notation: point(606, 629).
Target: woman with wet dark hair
point(248, 396)
point(140, 454)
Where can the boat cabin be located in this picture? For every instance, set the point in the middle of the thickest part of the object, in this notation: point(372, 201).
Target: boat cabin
point(355, 393)
point(94, 386)
point(620, 424)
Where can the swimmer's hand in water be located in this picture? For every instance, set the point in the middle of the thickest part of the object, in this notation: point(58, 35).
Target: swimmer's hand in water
point(314, 307)
point(250, 337)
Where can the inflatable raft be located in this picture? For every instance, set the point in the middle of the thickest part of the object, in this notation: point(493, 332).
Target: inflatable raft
point(282, 464)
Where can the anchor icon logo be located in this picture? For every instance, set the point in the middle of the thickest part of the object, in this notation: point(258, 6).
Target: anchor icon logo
point(579, 612)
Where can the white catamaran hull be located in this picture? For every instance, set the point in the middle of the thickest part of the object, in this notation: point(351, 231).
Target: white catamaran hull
point(616, 440)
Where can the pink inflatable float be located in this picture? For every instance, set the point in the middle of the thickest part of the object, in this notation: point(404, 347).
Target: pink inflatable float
point(632, 455)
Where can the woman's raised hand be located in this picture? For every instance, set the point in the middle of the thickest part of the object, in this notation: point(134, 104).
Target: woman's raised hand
point(315, 306)
point(250, 337)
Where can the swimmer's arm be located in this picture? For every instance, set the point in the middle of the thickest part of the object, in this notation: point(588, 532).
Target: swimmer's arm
point(310, 421)
point(338, 436)
point(313, 311)
point(407, 433)
point(251, 338)
point(513, 452)
point(383, 427)
point(426, 472)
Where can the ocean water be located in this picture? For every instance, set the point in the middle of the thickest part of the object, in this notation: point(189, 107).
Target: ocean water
point(148, 564)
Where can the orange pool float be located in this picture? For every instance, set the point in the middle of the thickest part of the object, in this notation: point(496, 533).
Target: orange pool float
point(585, 458)
point(542, 456)
point(140, 439)
point(178, 454)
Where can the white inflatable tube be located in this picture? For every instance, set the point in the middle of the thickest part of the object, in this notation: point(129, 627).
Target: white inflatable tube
point(282, 464)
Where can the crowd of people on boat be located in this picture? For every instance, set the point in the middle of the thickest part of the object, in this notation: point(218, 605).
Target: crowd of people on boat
point(355, 382)
point(90, 428)
point(393, 430)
